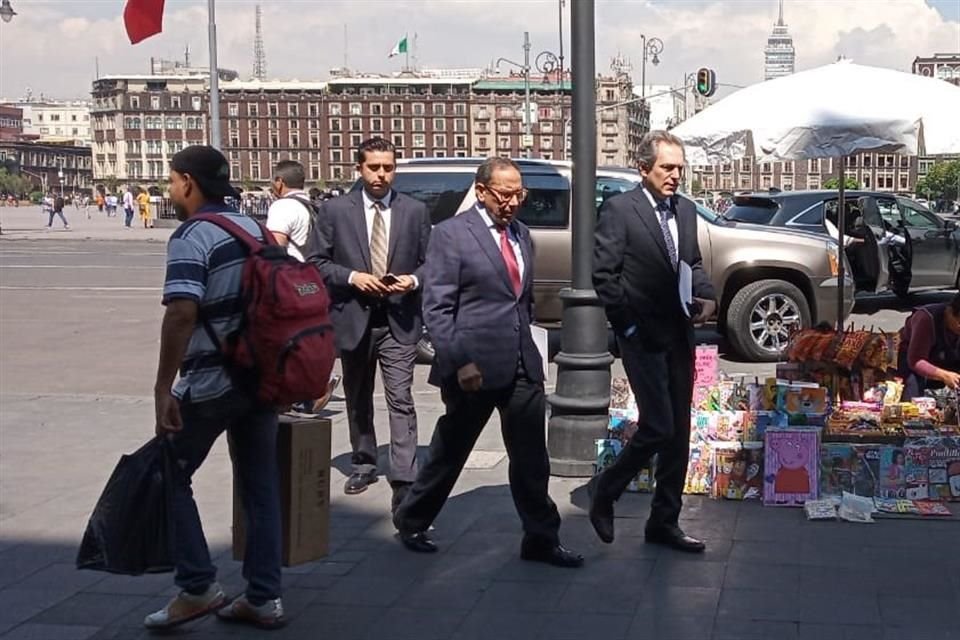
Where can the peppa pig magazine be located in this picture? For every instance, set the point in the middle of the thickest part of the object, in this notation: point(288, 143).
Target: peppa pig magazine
point(791, 466)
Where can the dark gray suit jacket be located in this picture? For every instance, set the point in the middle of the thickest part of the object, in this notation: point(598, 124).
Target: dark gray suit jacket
point(470, 308)
point(339, 245)
point(632, 273)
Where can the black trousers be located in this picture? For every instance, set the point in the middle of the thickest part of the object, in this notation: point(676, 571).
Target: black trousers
point(397, 362)
point(662, 382)
point(522, 410)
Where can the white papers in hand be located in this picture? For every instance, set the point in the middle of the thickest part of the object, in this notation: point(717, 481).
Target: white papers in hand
point(685, 284)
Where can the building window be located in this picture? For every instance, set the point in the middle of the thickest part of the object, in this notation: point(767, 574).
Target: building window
point(866, 182)
point(356, 124)
point(175, 102)
point(313, 110)
point(255, 170)
point(293, 124)
point(376, 124)
point(335, 108)
point(396, 109)
point(253, 110)
point(418, 124)
point(355, 140)
point(174, 122)
point(234, 139)
point(273, 124)
point(134, 104)
point(335, 140)
point(813, 166)
point(273, 109)
point(336, 155)
point(439, 124)
point(254, 139)
point(356, 109)
point(418, 109)
point(313, 124)
point(376, 109)
point(419, 140)
point(460, 141)
point(460, 109)
point(397, 124)
point(197, 103)
point(293, 109)
point(419, 153)
point(503, 143)
point(274, 141)
point(154, 102)
point(398, 140)
point(294, 139)
point(314, 140)
point(254, 124)
point(334, 124)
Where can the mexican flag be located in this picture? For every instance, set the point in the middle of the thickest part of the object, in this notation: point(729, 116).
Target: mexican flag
point(142, 19)
point(400, 47)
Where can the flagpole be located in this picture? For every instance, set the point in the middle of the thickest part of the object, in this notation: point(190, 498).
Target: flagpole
point(214, 78)
point(406, 53)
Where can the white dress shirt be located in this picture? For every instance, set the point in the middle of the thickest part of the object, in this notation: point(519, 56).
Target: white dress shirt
point(369, 213)
point(511, 238)
point(671, 219)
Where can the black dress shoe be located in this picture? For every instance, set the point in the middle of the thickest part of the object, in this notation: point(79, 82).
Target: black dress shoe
point(359, 481)
point(601, 512)
point(555, 554)
point(674, 537)
point(419, 542)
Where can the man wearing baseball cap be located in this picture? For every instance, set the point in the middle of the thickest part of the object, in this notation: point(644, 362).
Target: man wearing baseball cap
point(204, 270)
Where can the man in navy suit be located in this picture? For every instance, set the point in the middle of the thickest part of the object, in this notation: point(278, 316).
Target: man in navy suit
point(370, 246)
point(478, 306)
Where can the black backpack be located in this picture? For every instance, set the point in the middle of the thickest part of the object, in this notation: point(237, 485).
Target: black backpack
point(58, 203)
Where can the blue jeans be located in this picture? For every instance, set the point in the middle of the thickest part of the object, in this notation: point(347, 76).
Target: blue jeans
point(252, 433)
point(57, 213)
point(127, 217)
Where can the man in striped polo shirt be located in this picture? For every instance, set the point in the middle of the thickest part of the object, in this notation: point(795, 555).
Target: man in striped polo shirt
point(202, 298)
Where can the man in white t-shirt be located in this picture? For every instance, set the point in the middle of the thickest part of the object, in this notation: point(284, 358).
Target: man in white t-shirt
point(289, 216)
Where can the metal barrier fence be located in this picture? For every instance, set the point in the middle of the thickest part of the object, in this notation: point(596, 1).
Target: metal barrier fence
point(163, 209)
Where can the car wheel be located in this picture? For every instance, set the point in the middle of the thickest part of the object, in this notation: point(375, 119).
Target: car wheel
point(425, 350)
point(761, 317)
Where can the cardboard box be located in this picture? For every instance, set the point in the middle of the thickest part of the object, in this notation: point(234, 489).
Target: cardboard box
point(303, 455)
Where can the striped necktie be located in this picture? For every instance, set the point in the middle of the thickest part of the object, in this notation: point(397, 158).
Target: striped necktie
point(378, 241)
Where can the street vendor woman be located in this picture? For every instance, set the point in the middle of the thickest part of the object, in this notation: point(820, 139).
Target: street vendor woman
point(930, 348)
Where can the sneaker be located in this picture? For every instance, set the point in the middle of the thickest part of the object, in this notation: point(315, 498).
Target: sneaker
point(186, 607)
point(269, 615)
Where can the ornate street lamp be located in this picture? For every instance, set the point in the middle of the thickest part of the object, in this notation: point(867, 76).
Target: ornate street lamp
point(652, 48)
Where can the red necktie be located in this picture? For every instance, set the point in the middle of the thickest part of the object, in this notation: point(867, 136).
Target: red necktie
point(513, 270)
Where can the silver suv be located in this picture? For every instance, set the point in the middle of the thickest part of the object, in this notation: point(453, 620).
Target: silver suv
point(770, 281)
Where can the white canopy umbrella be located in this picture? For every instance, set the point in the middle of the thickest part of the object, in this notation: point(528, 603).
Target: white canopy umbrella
point(829, 112)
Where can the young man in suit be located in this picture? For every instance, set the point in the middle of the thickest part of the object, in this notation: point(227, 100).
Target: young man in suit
point(478, 306)
point(645, 238)
point(370, 246)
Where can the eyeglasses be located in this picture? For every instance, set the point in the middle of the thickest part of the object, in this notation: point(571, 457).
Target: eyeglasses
point(505, 198)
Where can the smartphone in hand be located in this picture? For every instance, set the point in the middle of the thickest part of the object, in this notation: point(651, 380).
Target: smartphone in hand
point(389, 279)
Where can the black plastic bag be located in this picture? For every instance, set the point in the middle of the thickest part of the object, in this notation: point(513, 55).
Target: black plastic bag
point(131, 529)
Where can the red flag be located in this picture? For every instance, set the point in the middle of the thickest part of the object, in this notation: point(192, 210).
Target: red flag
point(142, 19)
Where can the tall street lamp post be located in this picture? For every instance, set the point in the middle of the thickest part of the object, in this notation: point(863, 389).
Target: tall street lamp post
point(579, 406)
point(525, 69)
point(652, 48)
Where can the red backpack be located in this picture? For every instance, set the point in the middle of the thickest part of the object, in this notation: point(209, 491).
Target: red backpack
point(284, 347)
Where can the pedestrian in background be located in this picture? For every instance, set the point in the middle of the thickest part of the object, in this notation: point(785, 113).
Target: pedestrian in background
point(129, 206)
point(202, 294)
point(143, 203)
point(56, 209)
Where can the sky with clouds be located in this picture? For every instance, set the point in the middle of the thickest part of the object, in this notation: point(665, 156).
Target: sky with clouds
point(52, 46)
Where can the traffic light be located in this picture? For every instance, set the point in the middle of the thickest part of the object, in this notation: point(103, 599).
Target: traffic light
point(706, 82)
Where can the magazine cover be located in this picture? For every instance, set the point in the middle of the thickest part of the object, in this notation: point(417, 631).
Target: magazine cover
point(699, 470)
point(607, 451)
point(917, 481)
point(621, 424)
point(944, 468)
point(893, 472)
point(791, 467)
point(621, 396)
point(737, 471)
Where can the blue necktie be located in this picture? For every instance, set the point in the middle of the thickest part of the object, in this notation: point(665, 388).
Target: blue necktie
point(663, 212)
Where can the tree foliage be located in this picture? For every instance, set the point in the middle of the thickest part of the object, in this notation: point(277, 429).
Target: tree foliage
point(942, 181)
point(849, 182)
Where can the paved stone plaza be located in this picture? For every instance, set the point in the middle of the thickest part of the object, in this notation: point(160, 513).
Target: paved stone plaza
point(79, 329)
